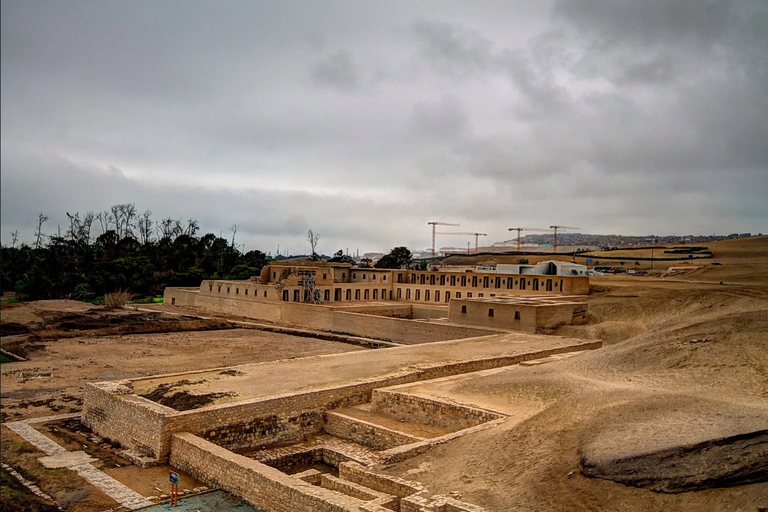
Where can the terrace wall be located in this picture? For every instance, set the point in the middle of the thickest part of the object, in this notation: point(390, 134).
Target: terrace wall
point(263, 487)
point(365, 433)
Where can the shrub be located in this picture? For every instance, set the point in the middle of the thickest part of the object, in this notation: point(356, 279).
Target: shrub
point(117, 299)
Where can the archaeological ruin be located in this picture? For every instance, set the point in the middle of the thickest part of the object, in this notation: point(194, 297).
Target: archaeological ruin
point(314, 433)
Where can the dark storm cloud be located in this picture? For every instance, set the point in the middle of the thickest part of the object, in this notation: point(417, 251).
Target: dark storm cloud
point(363, 121)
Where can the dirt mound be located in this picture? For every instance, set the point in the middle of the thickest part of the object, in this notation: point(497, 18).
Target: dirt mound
point(57, 324)
point(723, 462)
point(12, 328)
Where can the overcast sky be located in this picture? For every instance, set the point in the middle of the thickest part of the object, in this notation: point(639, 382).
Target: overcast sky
point(365, 120)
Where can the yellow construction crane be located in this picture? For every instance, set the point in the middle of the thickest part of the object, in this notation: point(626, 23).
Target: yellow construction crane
point(476, 235)
point(525, 229)
point(436, 223)
point(554, 244)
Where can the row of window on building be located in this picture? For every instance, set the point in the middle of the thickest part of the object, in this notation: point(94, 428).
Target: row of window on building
point(477, 282)
point(300, 295)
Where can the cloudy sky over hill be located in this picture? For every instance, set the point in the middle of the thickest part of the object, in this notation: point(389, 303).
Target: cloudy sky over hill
point(365, 120)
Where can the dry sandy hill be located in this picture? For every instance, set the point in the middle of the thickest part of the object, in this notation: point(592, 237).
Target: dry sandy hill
point(680, 389)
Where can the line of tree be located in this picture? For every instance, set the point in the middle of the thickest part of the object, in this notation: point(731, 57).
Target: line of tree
point(131, 252)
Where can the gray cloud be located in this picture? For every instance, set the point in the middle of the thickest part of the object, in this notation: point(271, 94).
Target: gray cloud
point(365, 121)
point(336, 71)
point(453, 49)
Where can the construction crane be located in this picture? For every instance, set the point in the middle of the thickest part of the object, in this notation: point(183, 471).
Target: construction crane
point(436, 223)
point(476, 235)
point(554, 244)
point(525, 229)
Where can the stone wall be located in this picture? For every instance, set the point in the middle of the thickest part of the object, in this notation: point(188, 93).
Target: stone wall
point(148, 427)
point(429, 411)
point(354, 472)
point(280, 418)
point(114, 412)
point(365, 433)
point(263, 487)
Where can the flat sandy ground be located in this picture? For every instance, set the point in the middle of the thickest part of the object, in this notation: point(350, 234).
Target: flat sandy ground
point(316, 372)
point(74, 361)
point(685, 359)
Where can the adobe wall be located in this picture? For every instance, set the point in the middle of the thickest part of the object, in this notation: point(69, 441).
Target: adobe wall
point(427, 312)
point(552, 317)
point(342, 320)
point(263, 487)
point(307, 315)
point(532, 317)
point(257, 310)
point(400, 330)
point(180, 296)
point(290, 417)
point(393, 310)
point(504, 315)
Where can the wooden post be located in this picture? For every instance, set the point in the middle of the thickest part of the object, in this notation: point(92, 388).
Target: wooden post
point(174, 479)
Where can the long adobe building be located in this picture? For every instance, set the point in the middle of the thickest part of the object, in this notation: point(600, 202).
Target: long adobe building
point(338, 297)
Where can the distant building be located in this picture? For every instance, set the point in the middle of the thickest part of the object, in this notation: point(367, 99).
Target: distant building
point(544, 268)
point(327, 283)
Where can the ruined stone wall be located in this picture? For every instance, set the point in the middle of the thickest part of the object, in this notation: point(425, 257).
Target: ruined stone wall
point(550, 317)
point(263, 487)
point(275, 419)
point(111, 409)
point(429, 411)
point(365, 433)
point(354, 472)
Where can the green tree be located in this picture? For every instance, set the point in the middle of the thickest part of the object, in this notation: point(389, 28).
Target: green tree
point(399, 257)
point(340, 257)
